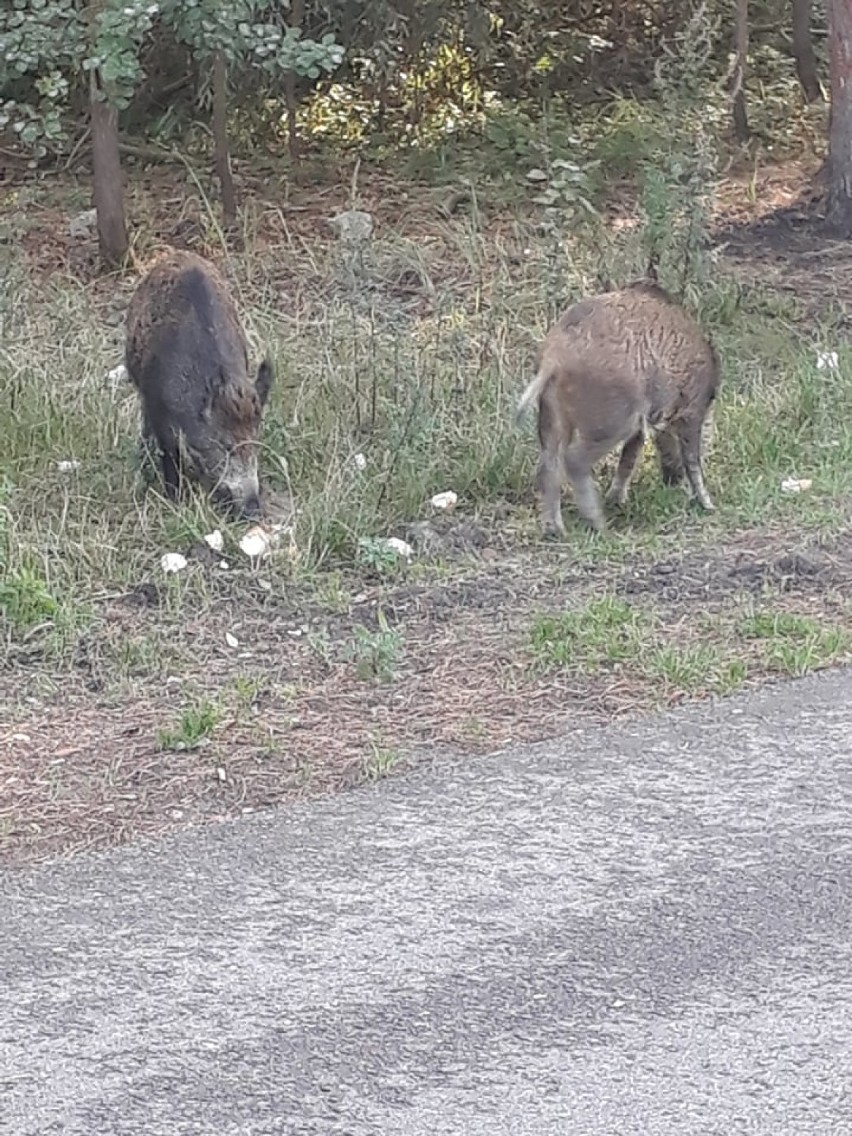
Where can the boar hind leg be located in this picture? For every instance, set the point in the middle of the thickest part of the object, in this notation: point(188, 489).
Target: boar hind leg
point(691, 444)
point(671, 458)
point(580, 458)
point(630, 451)
point(549, 483)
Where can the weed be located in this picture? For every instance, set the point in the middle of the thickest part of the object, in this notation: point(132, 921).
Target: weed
point(194, 727)
point(377, 654)
point(140, 655)
point(377, 555)
point(26, 599)
point(380, 760)
point(248, 690)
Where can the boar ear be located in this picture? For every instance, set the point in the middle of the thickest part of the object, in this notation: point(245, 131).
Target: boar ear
point(263, 381)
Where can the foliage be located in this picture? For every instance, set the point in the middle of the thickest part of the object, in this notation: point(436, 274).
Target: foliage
point(443, 66)
point(47, 47)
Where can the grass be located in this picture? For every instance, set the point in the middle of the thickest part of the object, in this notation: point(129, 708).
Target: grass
point(606, 632)
point(796, 644)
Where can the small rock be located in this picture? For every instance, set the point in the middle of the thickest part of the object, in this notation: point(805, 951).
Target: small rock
point(446, 500)
point(231, 640)
point(171, 562)
point(84, 224)
point(118, 375)
point(215, 540)
point(796, 485)
point(400, 547)
point(259, 542)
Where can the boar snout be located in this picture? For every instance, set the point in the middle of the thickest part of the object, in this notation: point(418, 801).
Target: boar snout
point(238, 489)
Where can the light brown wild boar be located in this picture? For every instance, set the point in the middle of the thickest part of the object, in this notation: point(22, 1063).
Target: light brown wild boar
point(611, 369)
point(187, 355)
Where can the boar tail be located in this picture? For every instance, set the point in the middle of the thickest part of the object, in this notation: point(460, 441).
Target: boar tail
point(532, 394)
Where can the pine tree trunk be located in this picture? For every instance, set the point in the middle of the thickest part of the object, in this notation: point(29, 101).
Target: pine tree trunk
point(803, 51)
point(741, 127)
point(108, 189)
point(297, 12)
point(221, 148)
point(839, 208)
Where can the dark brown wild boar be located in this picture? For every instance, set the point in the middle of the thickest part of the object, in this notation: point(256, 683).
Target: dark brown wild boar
point(187, 355)
point(612, 369)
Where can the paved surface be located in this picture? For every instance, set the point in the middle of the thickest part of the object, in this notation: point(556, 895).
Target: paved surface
point(640, 930)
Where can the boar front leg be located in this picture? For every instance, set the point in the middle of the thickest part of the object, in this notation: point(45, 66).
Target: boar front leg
point(148, 451)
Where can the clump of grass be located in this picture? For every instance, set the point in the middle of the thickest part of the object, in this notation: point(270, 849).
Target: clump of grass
point(796, 644)
point(380, 760)
point(195, 725)
point(605, 632)
point(26, 599)
point(695, 668)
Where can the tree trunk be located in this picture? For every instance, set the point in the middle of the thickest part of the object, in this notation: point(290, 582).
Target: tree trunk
point(221, 149)
point(741, 127)
point(297, 12)
point(108, 190)
point(803, 51)
point(839, 208)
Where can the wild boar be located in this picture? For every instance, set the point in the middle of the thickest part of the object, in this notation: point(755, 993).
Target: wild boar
point(613, 368)
point(187, 355)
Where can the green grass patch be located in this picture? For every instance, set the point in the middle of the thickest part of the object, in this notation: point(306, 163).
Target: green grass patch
point(195, 726)
point(606, 631)
point(797, 644)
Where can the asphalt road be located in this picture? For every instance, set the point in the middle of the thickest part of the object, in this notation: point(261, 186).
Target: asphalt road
point(644, 929)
